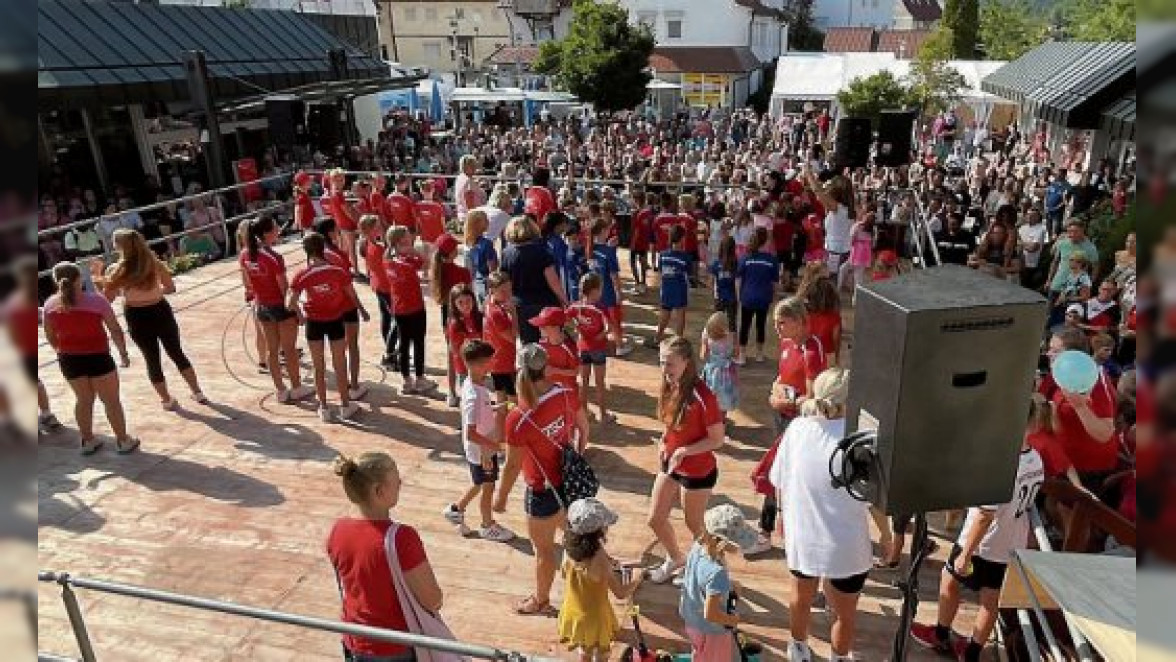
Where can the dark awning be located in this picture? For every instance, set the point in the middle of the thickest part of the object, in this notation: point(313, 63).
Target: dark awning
point(1118, 119)
point(119, 52)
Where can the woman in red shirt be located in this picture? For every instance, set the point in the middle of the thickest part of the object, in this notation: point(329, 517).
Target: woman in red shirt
point(547, 419)
point(328, 229)
point(403, 265)
point(76, 326)
point(823, 302)
point(444, 275)
point(372, 247)
point(263, 271)
point(430, 214)
point(329, 296)
point(304, 211)
point(464, 323)
point(337, 207)
point(689, 471)
point(358, 548)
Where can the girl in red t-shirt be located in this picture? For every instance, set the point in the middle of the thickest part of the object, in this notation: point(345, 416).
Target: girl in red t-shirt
point(371, 247)
point(686, 451)
point(79, 327)
point(444, 275)
point(336, 256)
point(823, 303)
point(304, 211)
point(345, 217)
point(403, 264)
point(329, 297)
point(358, 549)
point(501, 330)
point(547, 419)
point(563, 362)
point(464, 323)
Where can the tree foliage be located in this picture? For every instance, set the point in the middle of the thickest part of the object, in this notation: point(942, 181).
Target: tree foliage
point(962, 17)
point(940, 45)
point(803, 33)
point(1010, 28)
point(603, 60)
point(1099, 20)
point(934, 85)
point(868, 96)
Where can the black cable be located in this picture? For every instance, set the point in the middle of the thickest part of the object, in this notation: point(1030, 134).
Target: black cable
point(856, 453)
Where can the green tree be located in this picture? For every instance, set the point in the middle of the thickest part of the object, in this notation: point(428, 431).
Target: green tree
point(867, 97)
point(604, 60)
point(940, 45)
point(935, 85)
point(962, 17)
point(1099, 20)
point(1010, 28)
point(803, 33)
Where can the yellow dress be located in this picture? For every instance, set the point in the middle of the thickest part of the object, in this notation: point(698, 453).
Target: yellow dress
point(586, 619)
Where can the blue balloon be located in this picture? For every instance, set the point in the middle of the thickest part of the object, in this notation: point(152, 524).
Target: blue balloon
point(1075, 371)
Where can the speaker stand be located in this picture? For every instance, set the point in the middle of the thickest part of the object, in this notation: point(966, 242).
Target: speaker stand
point(910, 590)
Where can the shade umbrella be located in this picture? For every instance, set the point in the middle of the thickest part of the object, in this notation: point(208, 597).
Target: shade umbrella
point(436, 111)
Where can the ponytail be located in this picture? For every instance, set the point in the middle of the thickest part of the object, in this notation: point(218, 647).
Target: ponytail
point(439, 288)
point(66, 276)
point(258, 228)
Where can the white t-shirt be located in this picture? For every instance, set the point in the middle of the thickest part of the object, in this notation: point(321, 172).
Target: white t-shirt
point(497, 222)
point(477, 410)
point(837, 230)
point(1010, 526)
point(1036, 234)
point(828, 530)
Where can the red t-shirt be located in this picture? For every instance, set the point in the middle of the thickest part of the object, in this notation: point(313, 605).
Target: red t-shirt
point(406, 283)
point(402, 210)
point(357, 552)
point(338, 258)
point(373, 255)
point(497, 323)
point(430, 218)
point(1053, 455)
point(306, 207)
point(690, 243)
point(543, 430)
point(538, 202)
point(263, 275)
point(378, 205)
point(336, 206)
point(783, 232)
point(454, 274)
point(1087, 453)
point(642, 227)
point(824, 325)
point(814, 231)
point(800, 363)
point(457, 334)
point(325, 287)
point(22, 318)
point(79, 329)
point(661, 230)
point(563, 357)
point(592, 325)
point(702, 412)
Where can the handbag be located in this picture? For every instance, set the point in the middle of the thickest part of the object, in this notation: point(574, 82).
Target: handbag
point(579, 478)
point(418, 619)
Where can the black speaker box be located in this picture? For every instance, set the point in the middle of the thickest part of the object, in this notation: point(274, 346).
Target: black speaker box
point(894, 137)
point(852, 146)
point(286, 117)
point(943, 369)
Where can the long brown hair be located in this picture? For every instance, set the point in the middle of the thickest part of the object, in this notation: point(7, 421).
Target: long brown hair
point(674, 399)
point(138, 266)
point(66, 275)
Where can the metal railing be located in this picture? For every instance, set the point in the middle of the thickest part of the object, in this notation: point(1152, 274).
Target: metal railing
point(81, 634)
point(595, 181)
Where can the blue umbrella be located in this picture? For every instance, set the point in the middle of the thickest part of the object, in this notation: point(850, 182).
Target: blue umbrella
point(436, 112)
point(414, 103)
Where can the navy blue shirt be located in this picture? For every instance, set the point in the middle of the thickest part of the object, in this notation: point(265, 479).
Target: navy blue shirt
point(526, 263)
point(675, 279)
point(758, 274)
point(604, 263)
point(724, 282)
point(480, 255)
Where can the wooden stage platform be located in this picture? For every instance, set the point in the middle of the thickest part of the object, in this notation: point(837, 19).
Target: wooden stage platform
point(233, 501)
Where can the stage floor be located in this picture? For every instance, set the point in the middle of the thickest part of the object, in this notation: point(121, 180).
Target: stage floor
point(233, 501)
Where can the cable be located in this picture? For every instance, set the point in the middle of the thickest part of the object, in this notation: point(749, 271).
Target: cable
point(853, 471)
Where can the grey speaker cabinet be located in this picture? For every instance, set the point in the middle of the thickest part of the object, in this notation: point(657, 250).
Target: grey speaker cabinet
point(943, 365)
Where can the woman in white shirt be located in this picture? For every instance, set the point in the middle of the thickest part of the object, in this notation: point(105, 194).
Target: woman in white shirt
point(837, 197)
point(830, 536)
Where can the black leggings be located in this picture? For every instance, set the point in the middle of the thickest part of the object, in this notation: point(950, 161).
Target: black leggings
point(388, 329)
point(412, 330)
point(768, 515)
point(761, 324)
point(150, 327)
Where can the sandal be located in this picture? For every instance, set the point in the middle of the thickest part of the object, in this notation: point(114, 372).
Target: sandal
point(532, 607)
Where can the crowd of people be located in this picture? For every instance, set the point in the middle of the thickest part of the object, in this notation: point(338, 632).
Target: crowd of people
point(509, 241)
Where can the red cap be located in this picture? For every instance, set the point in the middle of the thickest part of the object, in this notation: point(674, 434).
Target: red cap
point(446, 244)
point(550, 316)
point(888, 258)
point(301, 179)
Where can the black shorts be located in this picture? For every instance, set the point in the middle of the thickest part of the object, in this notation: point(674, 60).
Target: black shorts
point(707, 482)
point(351, 316)
point(30, 368)
point(481, 476)
point(273, 314)
point(77, 366)
point(543, 504)
point(504, 382)
point(985, 574)
point(599, 357)
point(851, 585)
point(330, 331)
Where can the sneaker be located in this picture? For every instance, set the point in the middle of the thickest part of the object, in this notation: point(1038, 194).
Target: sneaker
point(48, 423)
point(125, 446)
point(927, 636)
point(200, 398)
point(664, 572)
point(357, 392)
point(348, 411)
point(424, 385)
point(301, 393)
point(169, 405)
point(762, 544)
point(740, 360)
point(454, 515)
point(798, 651)
point(283, 397)
point(388, 363)
point(90, 446)
point(452, 400)
point(409, 387)
point(496, 533)
point(326, 415)
point(464, 531)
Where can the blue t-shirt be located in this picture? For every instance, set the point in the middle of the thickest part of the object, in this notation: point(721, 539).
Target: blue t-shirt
point(724, 282)
point(559, 253)
point(702, 577)
point(480, 255)
point(758, 274)
point(575, 266)
point(604, 264)
point(1055, 194)
point(675, 278)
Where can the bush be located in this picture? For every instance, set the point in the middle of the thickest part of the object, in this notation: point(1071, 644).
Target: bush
point(1107, 232)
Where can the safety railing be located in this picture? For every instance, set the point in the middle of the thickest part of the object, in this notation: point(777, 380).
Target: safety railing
point(594, 181)
point(77, 621)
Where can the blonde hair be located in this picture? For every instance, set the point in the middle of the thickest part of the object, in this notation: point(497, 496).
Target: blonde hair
point(395, 234)
point(521, 229)
point(138, 267)
point(717, 326)
point(367, 222)
point(475, 226)
point(792, 308)
point(830, 392)
point(363, 473)
point(468, 159)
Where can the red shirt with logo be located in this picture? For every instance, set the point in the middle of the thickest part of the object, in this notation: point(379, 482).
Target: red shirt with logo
point(405, 280)
point(800, 363)
point(373, 256)
point(263, 275)
point(542, 430)
point(563, 357)
point(592, 325)
point(457, 333)
point(402, 210)
point(80, 328)
point(702, 411)
point(336, 205)
point(338, 258)
point(690, 243)
point(642, 228)
point(1086, 453)
point(499, 323)
point(324, 287)
point(825, 325)
point(306, 207)
point(378, 205)
point(661, 230)
point(430, 218)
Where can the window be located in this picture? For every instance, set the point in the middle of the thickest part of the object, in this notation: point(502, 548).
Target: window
point(431, 14)
point(432, 50)
point(647, 18)
point(674, 29)
point(410, 13)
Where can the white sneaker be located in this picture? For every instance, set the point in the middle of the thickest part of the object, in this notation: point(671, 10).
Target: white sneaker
point(423, 385)
point(357, 392)
point(91, 446)
point(348, 411)
point(326, 415)
point(454, 515)
point(799, 651)
point(762, 544)
point(301, 393)
point(409, 387)
point(496, 533)
point(664, 572)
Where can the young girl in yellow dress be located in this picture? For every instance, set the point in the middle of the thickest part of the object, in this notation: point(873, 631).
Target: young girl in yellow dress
point(587, 622)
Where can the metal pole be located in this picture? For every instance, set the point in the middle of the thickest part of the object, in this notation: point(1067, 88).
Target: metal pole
point(200, 92)
point(95, 150)
point(1054, 649)
point(1031, 644)
point(76, 621)
point(220, 210)
point(1081, 643)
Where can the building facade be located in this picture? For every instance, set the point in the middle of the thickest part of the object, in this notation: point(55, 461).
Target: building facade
point(854, 13)
point(451, 38)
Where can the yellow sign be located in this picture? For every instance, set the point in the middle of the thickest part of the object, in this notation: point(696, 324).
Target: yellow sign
point(704, 90)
